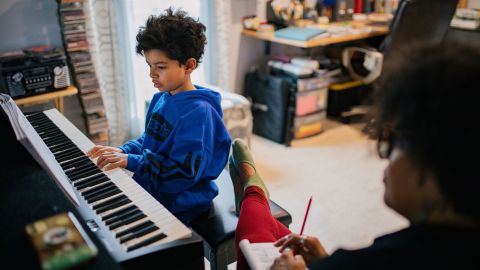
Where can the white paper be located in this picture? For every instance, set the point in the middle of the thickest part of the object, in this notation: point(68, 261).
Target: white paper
point(260, 256)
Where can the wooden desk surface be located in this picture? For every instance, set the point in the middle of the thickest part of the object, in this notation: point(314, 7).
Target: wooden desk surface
point(322, 41)
point(69, 91)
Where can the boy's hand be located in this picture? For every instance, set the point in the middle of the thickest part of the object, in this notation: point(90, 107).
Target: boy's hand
point(112, 160)
point(99, 150)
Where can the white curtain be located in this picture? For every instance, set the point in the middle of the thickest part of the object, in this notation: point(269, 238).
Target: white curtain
point(223, 18)
point(104, 38)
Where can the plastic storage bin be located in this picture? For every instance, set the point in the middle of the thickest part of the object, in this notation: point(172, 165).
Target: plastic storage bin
point(311, 101)
point(308, 125)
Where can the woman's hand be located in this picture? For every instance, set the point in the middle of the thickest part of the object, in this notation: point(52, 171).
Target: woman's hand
point(308, 247)
point(99, 150)
point(288, 261)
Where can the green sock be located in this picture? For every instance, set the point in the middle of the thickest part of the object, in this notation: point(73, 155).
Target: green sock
point(241, 153)
point(237, 184)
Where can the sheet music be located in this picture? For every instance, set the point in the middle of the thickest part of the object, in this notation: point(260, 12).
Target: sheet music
point(30, 139)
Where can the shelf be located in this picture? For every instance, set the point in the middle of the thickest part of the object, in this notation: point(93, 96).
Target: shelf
point(57, 96)
point(323, 41)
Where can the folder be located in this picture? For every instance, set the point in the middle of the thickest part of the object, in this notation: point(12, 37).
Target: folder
point(298, 33)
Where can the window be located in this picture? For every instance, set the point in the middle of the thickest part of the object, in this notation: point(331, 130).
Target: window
point(137, 12)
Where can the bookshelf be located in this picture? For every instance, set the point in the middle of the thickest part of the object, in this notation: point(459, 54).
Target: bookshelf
point(73, 25)
point(56, 96)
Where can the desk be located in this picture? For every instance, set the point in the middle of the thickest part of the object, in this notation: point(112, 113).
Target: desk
point(57, 97)
point(270, 36)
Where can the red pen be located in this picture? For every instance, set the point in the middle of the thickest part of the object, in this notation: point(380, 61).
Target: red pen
point(306, 215)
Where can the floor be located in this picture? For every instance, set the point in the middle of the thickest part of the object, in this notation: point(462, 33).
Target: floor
point(340, 169)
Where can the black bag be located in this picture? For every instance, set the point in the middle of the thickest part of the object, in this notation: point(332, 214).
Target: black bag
point(273, 106)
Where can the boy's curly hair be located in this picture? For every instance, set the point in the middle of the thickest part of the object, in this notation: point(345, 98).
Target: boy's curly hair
point(181, 37)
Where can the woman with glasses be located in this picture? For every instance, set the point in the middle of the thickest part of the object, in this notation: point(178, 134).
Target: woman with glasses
point(427, 127)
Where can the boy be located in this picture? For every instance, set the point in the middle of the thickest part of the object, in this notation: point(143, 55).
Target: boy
point(185, 145)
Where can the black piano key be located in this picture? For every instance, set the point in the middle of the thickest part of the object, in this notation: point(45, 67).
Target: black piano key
point(81, 166)
point(55, 137)
point(88, 176)
point(119, 212)
point(44, 125)
point(139, 233)
point(112, 204)
point(136, 216)
point(53, 134)
point(62, 147)
point(84, 173)
point(123, 216)
point(41, 122)
point(110, 201)
point(47, 133)
point(104, 195)
point(73, 163)
point(91, 182)
point(34, 115)
point(65, 149)
point(137, 227)
point(147, 241)
point(102, 188)
point(59, 146)
point(56, 141)
point(88, 180)
point(75, 151)
point(73, 160)
point(68, 156)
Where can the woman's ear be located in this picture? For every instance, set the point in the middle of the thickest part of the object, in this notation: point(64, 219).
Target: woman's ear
point(190, 65)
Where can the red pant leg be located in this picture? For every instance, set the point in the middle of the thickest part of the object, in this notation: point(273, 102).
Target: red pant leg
point(256, 222)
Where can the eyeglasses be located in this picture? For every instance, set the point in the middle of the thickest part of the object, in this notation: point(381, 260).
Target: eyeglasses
point(387, 141)
point(385, 146)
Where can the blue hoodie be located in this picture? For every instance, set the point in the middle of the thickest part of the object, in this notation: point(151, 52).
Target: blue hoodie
point(184, 148)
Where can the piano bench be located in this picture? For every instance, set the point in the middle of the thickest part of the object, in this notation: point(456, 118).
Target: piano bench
point(218, 227)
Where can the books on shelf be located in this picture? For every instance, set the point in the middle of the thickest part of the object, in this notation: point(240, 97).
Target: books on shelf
point(72, 19)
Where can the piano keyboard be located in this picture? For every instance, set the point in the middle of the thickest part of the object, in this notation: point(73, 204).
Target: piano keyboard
point(124, 216)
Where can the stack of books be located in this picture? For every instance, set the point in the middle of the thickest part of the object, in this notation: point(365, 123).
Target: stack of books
point(72, 18)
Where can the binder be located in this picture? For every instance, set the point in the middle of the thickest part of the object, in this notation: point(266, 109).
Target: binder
point(298, 33)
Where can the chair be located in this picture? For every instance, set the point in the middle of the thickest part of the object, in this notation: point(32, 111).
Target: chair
point(416, 21)
point(218, 228)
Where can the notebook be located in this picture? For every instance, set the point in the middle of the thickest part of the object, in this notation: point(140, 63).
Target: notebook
point(298, 33)
point(259, 256)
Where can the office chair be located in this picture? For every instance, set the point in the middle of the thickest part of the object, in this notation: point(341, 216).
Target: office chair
point(416, 21)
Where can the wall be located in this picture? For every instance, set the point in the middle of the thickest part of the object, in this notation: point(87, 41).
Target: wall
point(25, 23)
point(244, 51)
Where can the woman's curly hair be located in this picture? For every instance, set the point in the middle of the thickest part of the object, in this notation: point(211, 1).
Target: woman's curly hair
point(175, 33)
point(430, 98)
